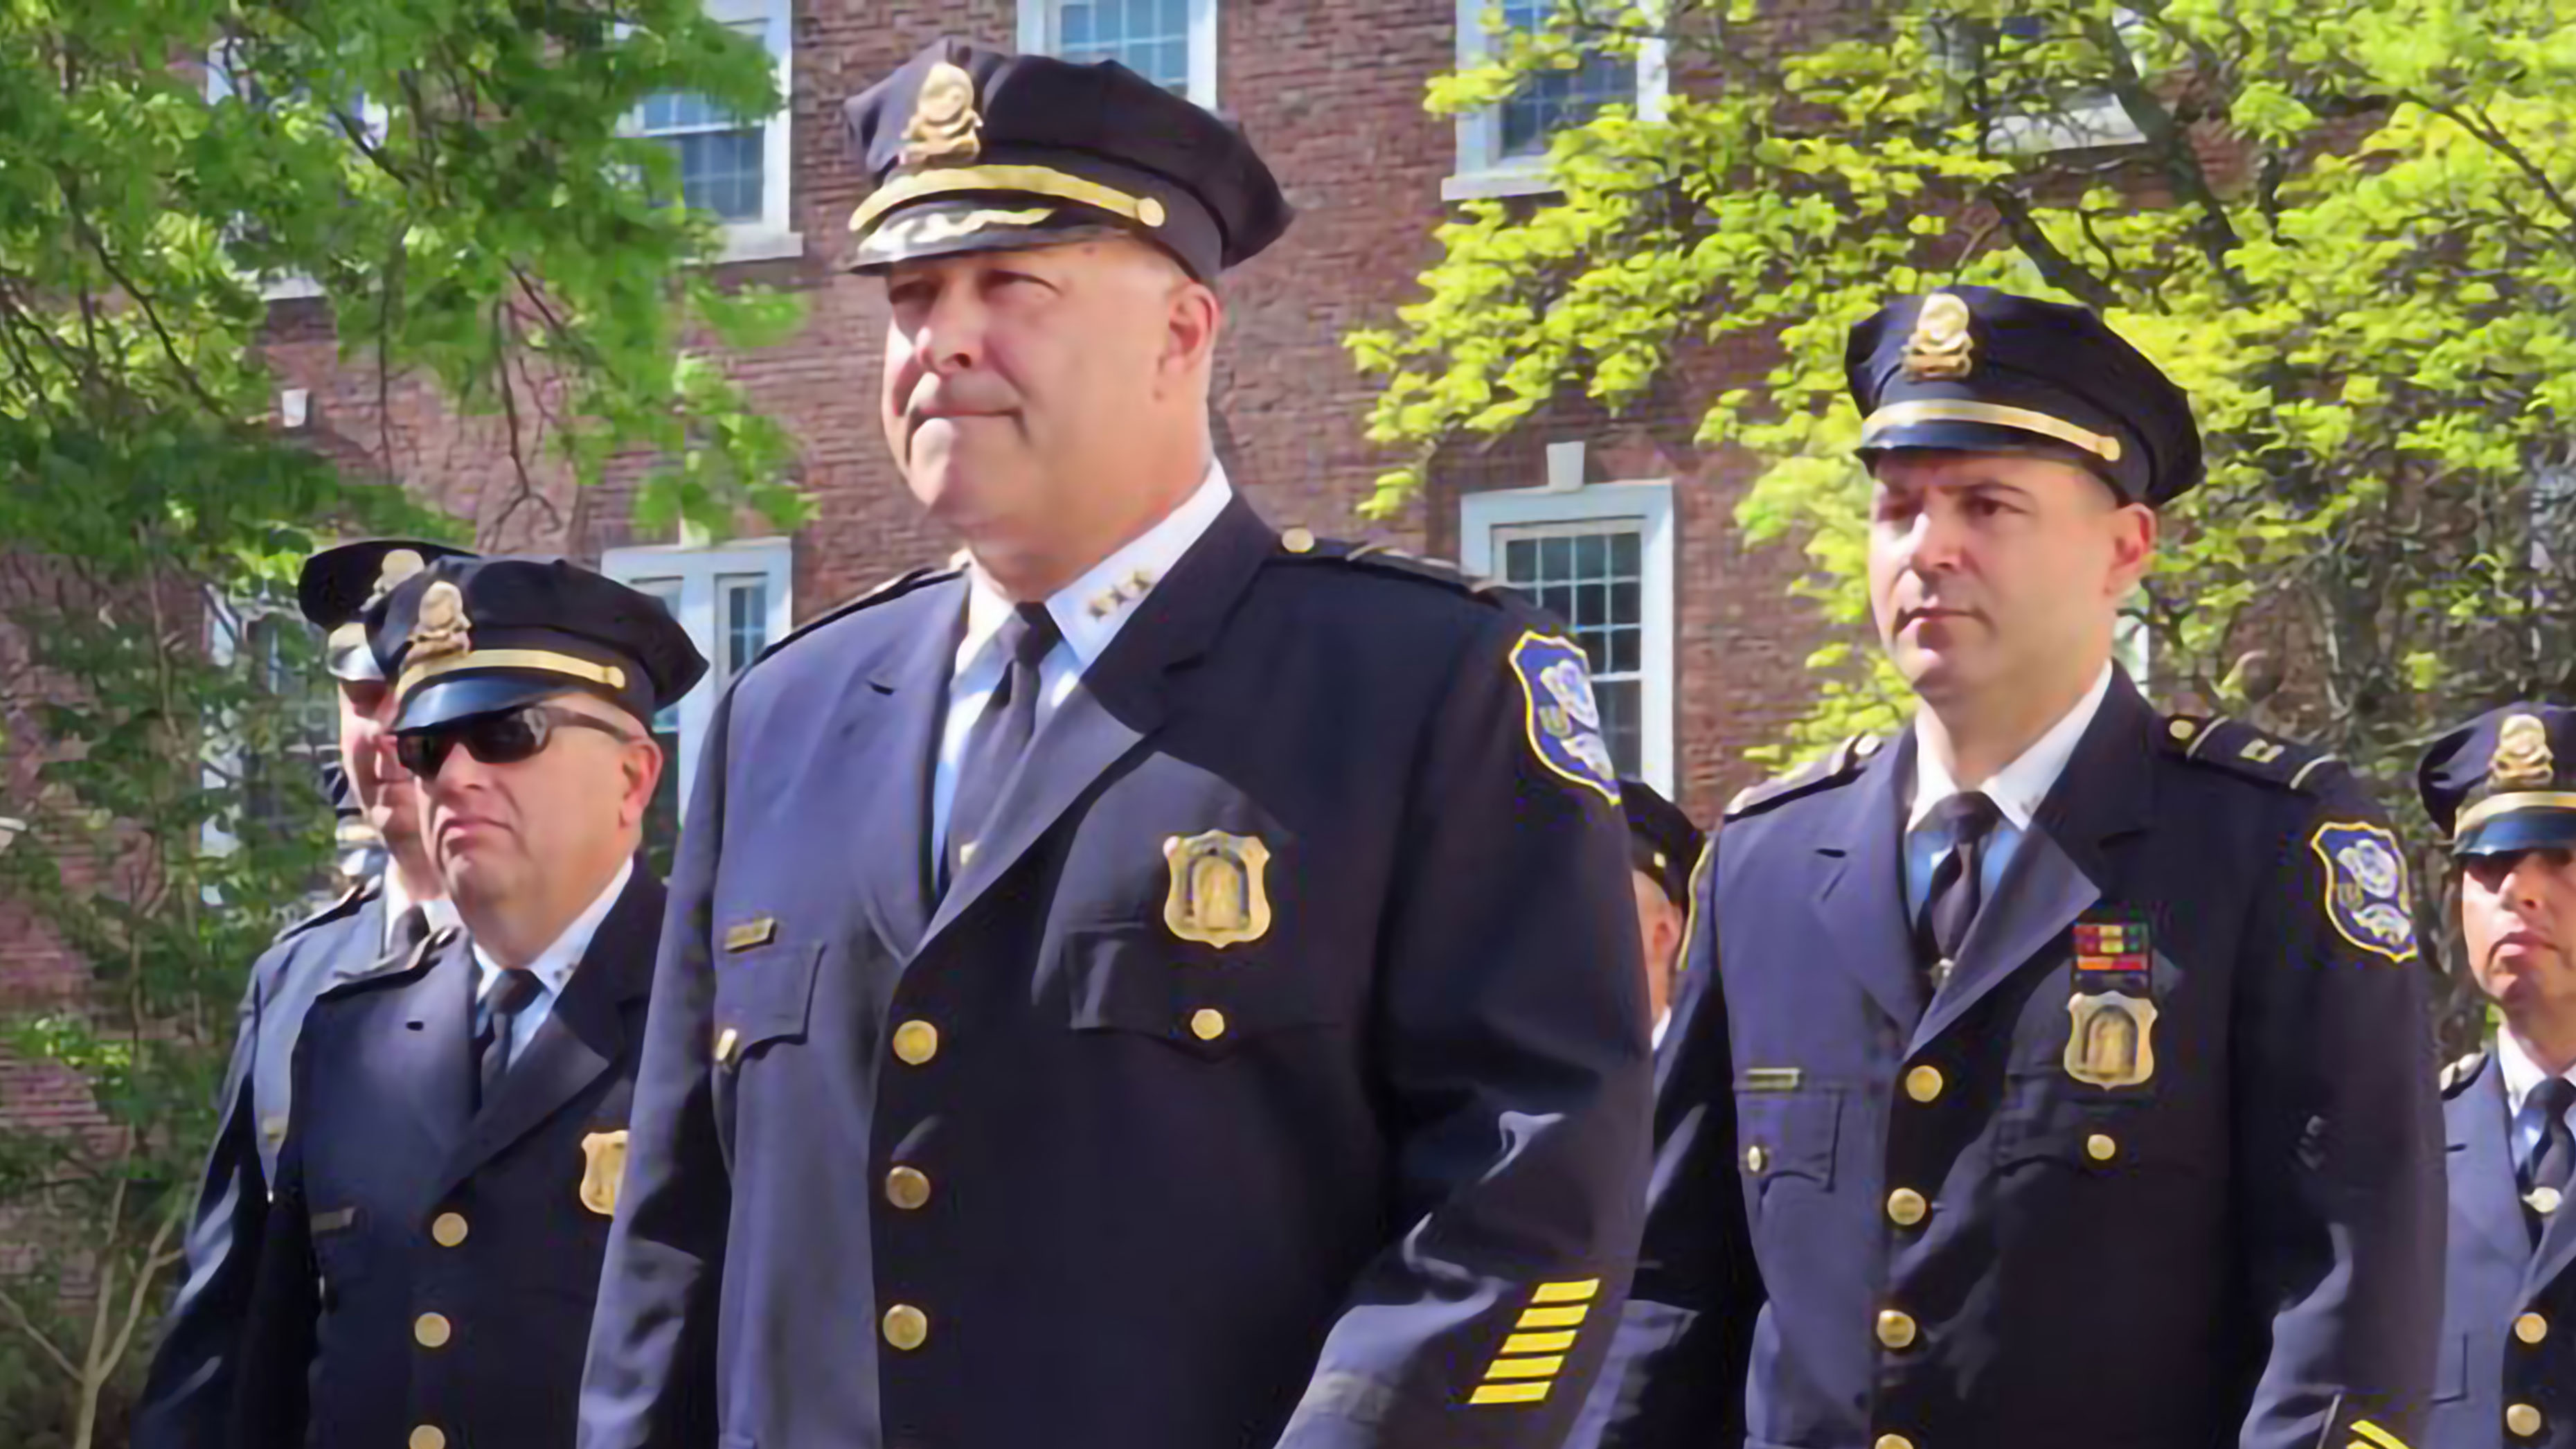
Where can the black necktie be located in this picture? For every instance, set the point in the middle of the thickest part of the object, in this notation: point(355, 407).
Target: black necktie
point(2551, 1173)
point(999, 736)
point(515, 992)
point(1958, 885)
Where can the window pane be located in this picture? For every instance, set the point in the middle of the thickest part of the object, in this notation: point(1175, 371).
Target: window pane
point(1621, 725)
point(1149, 37)
point(1520, 561)
point(1556, 558)
point(1626, 550)
point(1591, 555)
point(1552, 101)
point(746, 623)
point(662, 817)
point(1623, 604)
point(720, 171)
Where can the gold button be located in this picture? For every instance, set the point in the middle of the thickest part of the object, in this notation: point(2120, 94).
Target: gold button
point(1756, 1158)
point(448, 1230)
point(2544, 1200)
point(907, 1188)
point(1893, 1441)
point(2101, 1148)
point(2182, 729)
point(1895, 1329)
point(1923, 1083)
point(726, 1040)
point(2531, 1328)
point(1297, 540)
point(428, 1436)
point(1207, 1023)
point(1906, 1207)
point(2524, 1420)
point(916, 1042)
point(1149, 211)
point(432, 1330)
point(906, 1327)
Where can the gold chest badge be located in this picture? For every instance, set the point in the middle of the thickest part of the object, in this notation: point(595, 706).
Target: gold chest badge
point(2111, 1027)
point(603, 1167)
point(1219, 896)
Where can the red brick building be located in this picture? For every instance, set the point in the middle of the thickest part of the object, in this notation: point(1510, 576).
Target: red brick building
point(1623, 526)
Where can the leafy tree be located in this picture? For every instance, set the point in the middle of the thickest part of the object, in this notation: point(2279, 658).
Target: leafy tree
point(454, 177)
point(2347, 226)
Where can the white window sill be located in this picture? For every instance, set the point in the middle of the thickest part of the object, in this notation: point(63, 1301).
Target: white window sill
point(2082, 128)
point(289, 289)
point(756, 244)
point(1518, 178)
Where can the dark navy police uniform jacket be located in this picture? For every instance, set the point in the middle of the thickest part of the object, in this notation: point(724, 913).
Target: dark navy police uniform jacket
point(187, 1399)
point(1269, 1075)
point(429, 1269)
point(2508, 1359)
point(2157, 1169)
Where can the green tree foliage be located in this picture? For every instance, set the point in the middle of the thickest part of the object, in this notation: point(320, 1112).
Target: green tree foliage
point(2347, 226)
point(454, 177)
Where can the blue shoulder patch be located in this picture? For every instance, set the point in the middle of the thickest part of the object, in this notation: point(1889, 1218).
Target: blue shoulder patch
point(1563, 719)
point(2367, 896)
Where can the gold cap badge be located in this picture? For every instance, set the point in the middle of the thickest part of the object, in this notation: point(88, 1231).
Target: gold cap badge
point(442, 628)
point(946, 129)
point(1942, 348)
point(2522, 757)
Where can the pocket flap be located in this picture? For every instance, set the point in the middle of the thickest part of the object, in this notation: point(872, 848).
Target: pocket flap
point(1138, 979)
point(1788, 1134)
point(766, 995)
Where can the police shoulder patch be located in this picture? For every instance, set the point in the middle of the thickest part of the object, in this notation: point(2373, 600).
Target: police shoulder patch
point(354, 897)
point(1561, 717)
point(2368, 899)
point(2458, 1075)
point(2241, 749)
point(1833, 766)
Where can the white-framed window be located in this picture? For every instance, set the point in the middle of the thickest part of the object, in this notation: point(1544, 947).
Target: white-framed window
point(737, 169)
point(227, 81)
point(1169, 42)
point(734, 599)
point(2084, 121)
point(1601, 559)
point(274, 764)
point(1502, 151)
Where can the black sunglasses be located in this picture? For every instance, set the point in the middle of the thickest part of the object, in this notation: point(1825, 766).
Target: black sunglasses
point(505, 738)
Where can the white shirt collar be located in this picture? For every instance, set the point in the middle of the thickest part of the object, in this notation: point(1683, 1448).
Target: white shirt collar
point(1090, 611)
point(2521, 1073)
point(554, 965)
point(440, 913)
point(2018, 788)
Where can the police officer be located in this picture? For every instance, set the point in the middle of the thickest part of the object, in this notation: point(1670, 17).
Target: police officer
point(2074, 1050)
point(1143, 987)
point(1662, 847)
point(2503, 788)
point(395, 897)
point(442, 1208)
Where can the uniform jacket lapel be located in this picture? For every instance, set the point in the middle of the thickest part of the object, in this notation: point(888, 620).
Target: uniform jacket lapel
point(898, 709)
point(583, 1038)
point(2556, 1253)
point(2065, 862)
point(1860, 894)
point(433, 1054)
point(2479, 1138)
point(1120, 701)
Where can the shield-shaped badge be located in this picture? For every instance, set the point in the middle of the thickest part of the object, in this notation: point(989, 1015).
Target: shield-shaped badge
point(1218, 895)
point(603, 1167)
point(2110, 1039)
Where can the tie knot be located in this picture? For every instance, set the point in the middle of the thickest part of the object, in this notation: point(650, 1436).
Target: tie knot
point(2553, 1097)
point(1027, 634)
point(515, 992)
point(1967, 815)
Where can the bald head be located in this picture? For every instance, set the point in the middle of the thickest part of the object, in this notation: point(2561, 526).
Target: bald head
point(1048, 404)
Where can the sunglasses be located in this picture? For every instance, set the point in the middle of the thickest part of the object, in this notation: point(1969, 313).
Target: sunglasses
point(505, 738)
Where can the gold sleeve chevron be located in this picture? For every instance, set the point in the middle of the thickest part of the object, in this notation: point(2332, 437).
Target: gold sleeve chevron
point(2367, 1435)
point(1526, 1367)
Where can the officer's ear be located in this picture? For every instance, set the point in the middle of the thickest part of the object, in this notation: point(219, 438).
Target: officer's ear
point(2134, 528)
point(640, 767)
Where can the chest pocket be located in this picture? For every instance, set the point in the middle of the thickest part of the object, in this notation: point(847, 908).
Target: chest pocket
point(1781, 1136)
point(764, 995)
point(1208, 1003)
point(2051, 1120)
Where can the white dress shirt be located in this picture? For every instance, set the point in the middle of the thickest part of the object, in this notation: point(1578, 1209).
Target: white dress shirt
point(2017, 790)
point(554, 965)
point(2521, 1075)
point(1088, 612)
point(440, 913)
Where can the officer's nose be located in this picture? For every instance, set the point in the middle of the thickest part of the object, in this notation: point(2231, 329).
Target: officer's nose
point(1938, 542)
point(950, 338)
